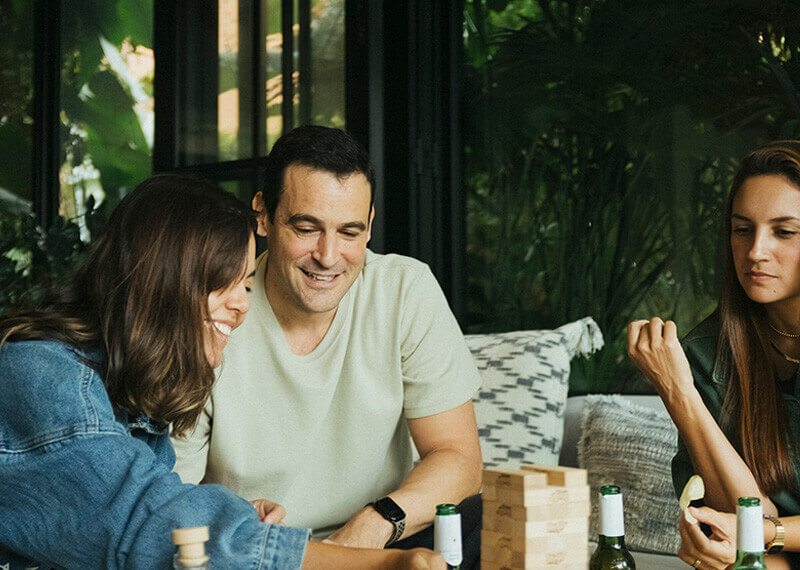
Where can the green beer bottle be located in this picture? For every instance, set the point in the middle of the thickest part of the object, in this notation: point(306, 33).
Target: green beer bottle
point(749, 534)
point(611, 551)
point(191, 543)
point(447, 534)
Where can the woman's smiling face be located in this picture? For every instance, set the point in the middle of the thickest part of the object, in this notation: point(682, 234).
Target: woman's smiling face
point(227, 308)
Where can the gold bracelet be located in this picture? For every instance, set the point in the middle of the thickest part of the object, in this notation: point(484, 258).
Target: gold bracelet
point(776, 544)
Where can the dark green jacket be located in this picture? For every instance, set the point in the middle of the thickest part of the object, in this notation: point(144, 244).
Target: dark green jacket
point(700, 346)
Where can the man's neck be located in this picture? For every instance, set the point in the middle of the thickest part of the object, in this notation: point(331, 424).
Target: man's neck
point(303, 331)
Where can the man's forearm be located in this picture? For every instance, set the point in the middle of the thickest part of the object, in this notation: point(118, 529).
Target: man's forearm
point(450, 471)
point(443, 476)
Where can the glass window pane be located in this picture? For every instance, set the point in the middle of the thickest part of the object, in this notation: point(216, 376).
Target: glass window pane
point(231, 145)
point(243, 189)
point(16, 104)
point(274, 81)
point(327, 63)
point(233, 101)
point(106, 102)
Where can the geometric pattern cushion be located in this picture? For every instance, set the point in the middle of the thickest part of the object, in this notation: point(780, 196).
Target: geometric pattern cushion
point(525, 380)
point(632, 446)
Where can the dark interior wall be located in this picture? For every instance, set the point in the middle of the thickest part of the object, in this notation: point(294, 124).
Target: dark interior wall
point(403, 77)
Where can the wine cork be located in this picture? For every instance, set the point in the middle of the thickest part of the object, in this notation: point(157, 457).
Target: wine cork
point(191, 544)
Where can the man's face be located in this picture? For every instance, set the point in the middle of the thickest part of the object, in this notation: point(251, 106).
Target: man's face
point(317, 242)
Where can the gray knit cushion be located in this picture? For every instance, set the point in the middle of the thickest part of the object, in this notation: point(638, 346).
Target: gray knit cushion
point(632, 446)
point(525, 374)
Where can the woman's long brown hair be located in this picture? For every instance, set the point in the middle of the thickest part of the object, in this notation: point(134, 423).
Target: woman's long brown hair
point(140, 296)
point(754, 405)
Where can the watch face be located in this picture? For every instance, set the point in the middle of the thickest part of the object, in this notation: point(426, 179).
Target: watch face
point(389, 510)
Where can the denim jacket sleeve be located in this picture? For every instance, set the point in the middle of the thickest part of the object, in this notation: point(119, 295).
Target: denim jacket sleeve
point(81, 489)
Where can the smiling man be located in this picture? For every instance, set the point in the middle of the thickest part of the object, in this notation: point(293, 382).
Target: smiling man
point(346, 358)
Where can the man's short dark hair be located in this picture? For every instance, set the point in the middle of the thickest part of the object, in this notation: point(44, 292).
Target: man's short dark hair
point(321, 148)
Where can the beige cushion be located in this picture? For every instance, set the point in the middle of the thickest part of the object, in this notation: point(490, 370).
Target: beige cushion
point(525, 380)
point(632, 446)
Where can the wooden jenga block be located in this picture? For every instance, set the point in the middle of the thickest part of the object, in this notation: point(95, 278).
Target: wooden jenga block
point(514, 479)
point(548, 495)
point(512, 486)
point(550, 542)
point(554, 551)
point(558, 475)
point(542, 512)
point(531, 529)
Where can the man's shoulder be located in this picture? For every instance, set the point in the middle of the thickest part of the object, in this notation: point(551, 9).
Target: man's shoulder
point(395, 276)
point(393, 263)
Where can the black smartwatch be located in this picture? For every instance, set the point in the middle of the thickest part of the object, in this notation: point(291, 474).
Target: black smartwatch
point(392, 512)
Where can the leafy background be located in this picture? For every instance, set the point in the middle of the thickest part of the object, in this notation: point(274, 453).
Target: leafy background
point(104, 124)
point(601, 140)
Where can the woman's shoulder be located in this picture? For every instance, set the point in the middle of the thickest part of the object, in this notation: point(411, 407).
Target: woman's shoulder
point(704, 334)
point(51, 392)
point(34, 356)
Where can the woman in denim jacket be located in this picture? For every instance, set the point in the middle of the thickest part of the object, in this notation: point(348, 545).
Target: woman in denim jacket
point(91, 382)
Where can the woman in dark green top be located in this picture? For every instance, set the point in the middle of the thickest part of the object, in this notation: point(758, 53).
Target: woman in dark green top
point(732, 390)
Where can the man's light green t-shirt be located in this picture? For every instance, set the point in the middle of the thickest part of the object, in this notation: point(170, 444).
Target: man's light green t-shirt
point(325, 433)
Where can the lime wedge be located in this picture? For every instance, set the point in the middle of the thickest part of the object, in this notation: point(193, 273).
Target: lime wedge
point(694, 489)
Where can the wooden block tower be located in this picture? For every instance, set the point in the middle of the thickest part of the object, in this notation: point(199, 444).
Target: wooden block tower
point(535, 517)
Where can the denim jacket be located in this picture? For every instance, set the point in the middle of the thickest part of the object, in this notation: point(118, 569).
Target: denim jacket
point(83, 486)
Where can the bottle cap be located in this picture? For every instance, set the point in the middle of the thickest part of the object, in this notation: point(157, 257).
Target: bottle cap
point(749, 501)
point(446, 509)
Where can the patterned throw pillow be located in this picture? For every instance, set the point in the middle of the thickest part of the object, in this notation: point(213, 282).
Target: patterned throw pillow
point(632, 446)
point(520, 406)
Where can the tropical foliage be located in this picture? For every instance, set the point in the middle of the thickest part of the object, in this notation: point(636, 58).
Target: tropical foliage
point(106, 126)
point(34, 260)
point(601, 139)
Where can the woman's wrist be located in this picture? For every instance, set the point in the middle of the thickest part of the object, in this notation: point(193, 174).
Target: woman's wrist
point(681, 397)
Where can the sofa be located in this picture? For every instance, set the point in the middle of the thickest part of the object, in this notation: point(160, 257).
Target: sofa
point(525, 416)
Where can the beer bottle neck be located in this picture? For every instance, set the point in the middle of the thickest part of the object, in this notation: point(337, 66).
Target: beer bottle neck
point(612, 520)
point(615, 542)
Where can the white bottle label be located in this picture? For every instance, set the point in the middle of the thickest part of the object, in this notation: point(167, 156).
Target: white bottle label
point(750, 529)
point(447, 538)
point(612, 521)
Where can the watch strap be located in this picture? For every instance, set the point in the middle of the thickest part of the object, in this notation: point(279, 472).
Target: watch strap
point(392, 512)
point(776, 544)
point(399, 527)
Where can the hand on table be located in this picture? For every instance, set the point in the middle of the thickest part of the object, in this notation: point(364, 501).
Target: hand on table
point(655, 349)
point(269, 512)
point(365, 529)
point(717, 551)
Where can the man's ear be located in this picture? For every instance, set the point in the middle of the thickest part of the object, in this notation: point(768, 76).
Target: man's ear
point(369, 224)
point(261, 211)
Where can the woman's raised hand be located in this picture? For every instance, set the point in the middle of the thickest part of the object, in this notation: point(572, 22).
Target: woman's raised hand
point(654, 347)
